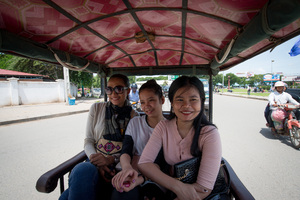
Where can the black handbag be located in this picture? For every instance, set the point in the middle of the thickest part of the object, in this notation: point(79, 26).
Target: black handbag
point(222, 185)
point(187, 172)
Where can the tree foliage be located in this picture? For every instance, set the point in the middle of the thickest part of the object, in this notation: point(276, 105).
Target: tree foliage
point(26, 65)
point(84, 79)
point(217, 79)
point(151, 77)
point(96, 81)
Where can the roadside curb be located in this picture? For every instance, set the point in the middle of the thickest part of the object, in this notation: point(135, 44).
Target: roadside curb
point(243, 96)
point(42, 117)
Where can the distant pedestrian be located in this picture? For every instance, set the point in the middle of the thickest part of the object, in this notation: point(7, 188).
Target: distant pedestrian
point(249, 90)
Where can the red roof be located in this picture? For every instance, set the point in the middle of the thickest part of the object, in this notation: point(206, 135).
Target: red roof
point(15, 73)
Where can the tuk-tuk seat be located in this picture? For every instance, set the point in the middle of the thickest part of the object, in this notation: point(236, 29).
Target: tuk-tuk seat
point(48, 181)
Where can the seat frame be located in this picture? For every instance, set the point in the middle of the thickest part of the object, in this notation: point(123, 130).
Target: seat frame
point(49, 180)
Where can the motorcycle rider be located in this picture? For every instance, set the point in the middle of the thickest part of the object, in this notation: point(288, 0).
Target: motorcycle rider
point(278, 97)
point(267, 109)
point(134, 93)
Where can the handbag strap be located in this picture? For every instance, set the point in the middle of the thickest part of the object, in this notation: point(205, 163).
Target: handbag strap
point(226, 173)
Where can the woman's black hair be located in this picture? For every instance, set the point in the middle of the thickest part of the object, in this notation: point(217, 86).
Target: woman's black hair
point(201, 120)
point(123, 77)
point(153, 86)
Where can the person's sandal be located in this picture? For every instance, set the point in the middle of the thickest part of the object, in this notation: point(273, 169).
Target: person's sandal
point(267, 124)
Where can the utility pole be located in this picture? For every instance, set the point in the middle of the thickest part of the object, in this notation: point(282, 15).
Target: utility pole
point(67, 84)
point(223, 82)
point(272, 73)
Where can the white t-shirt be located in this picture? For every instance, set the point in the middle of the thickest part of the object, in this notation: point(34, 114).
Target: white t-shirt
point(140, 132)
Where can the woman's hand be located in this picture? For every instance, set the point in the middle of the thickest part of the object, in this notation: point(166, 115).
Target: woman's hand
point(106, 173)
point(187, 192)
point(192, 191)
point(99, 160)
point(125, 180)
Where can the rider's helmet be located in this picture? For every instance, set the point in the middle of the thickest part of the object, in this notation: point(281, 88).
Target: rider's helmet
point(279, 83)
point(134, 86)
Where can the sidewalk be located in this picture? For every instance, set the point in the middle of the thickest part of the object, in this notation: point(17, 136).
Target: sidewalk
point(25, 113)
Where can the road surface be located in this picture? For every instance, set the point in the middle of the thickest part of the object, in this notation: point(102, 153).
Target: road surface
point(268, 166)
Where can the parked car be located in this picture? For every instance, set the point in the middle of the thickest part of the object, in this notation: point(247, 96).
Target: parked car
point(96, 91)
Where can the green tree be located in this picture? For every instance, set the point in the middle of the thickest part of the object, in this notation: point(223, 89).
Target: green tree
point(132, 79)
point(256, 80)
point(5, 60)
point(20, 64)
point(242, 81)
point(81, 78)
point(96, 81)
point(217, 79)
point(30, 66)
point(233, 79)
point(146, 78)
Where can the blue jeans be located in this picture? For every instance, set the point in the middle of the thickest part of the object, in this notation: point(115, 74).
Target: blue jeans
point(85, 182)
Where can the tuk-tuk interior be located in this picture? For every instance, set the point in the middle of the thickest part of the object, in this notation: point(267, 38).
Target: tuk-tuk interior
point(178, 37)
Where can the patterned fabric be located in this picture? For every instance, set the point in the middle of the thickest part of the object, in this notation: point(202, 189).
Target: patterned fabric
point(116, 120)
point(108, 147)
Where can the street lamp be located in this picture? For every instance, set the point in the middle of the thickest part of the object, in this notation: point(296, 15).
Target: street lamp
point(223, 82)
point(271, 73)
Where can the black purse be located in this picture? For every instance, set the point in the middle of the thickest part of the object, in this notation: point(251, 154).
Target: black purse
point(187, 172)
point(222, 185)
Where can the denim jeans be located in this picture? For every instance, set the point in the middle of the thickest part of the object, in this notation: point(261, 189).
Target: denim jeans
point(85, 182)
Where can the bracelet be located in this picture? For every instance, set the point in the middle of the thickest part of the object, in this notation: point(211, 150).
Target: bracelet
point(117, 159)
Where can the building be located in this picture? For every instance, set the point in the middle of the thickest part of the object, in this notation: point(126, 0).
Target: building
point(22, 76)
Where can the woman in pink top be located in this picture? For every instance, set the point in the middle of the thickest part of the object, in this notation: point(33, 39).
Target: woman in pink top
point(185, 135)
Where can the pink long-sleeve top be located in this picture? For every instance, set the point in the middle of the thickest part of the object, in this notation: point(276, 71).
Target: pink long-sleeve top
point(177, 149)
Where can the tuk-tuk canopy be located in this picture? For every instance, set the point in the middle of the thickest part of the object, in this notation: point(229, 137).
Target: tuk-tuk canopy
point(146, 37)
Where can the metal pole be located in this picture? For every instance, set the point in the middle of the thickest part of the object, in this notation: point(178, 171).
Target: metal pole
point(210, 106)
point(272, 73)
point(103, 85)
point(223, 83)
point(67, 83)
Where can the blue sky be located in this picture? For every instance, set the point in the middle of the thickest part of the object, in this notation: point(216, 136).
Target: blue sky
point(261, 64)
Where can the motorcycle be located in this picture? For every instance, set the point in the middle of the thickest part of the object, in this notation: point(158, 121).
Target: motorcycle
point(290, 125)
point(136, 106)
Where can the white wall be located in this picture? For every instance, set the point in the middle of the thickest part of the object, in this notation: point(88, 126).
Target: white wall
point(15, 92)
point(5, 93)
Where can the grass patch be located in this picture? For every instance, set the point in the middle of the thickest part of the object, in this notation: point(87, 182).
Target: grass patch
point(244, 92)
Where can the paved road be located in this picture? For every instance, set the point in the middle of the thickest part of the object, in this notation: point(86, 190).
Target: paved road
point(30, 149)
point(266, 165)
